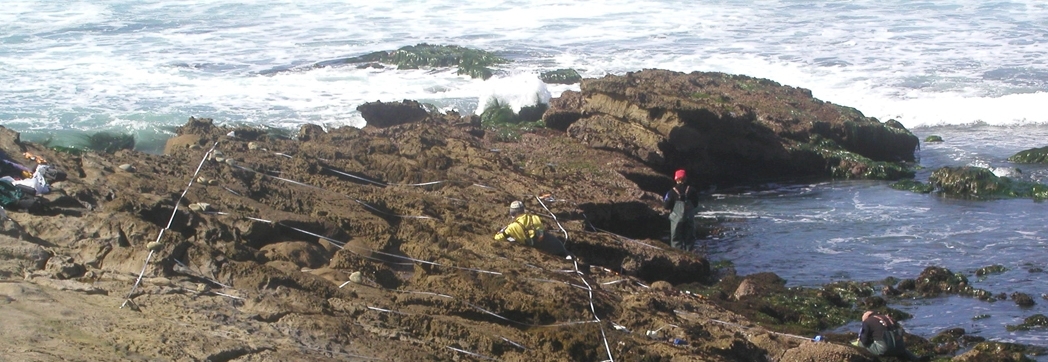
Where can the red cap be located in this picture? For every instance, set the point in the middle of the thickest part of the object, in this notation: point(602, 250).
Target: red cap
point(679, 175)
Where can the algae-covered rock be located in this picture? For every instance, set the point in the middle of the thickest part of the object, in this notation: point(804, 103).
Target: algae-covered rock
point(981, 183)
point(473, 62)
point(1036, 321)
point(108, 142)
point(1033, 155)
point(934, 281)
point(561, 76)
point(996, 351)
point(845, 164)
point(913, 185)
point(933, 139)
point(993, 269)
point(1023, 299)
point(949, 341)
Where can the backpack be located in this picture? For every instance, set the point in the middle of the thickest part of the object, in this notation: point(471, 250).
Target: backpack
point(893, 333)
point(9, 194)
point(16, 197)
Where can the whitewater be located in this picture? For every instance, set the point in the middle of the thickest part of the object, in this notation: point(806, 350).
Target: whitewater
point(973, 72)
point(144, 68)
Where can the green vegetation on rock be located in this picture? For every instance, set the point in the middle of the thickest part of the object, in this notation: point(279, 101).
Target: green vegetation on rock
point(561, 76)
point(472, 62)
point(1033, 155)
point(1003, 351)
point(933, 138)
point(109, 142)
point(1036, 321)
point(993, 269)
point(981, 183)
point(844, 164)
point(913, 185)
point(507, 125)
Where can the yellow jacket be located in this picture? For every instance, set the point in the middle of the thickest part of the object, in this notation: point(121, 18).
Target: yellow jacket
point(526, 229)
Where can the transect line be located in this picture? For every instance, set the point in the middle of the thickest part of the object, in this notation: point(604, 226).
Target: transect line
point(169, 222)
point(322, 189)
point(589, 288)
point(472, 353)
point(474, 306)
point(341, 245)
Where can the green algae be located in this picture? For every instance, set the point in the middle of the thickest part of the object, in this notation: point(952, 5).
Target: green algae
point(933, 139)
point(561, 76)
point(913, 186)
point(1033, 155)
point(1036, 321)
point(507, 125)
point(980, 183)
point(108, 142)
point(472, 62)
point(993, 269)
point(846, 165)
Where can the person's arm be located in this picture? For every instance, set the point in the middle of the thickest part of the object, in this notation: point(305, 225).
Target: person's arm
point(512, 232)
point(501, 235)
point(669, 199)
point(865, 334)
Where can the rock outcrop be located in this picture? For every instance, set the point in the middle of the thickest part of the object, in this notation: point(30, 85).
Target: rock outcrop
point(730, 129)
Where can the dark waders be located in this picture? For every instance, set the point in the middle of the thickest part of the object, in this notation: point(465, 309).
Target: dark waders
point(892, 345)
point(682, 226)
point(552, 244)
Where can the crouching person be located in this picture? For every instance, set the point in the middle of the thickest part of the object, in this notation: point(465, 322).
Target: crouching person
point(883, 337)
point(527, 229)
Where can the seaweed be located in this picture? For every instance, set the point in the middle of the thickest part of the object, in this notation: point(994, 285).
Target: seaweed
point(472, 62)
point(108, 142)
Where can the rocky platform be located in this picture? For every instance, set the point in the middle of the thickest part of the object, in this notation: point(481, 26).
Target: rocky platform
point(375, 243)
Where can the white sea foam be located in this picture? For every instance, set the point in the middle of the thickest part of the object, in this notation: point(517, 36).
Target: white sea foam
point(71, 64)
point(516, 91)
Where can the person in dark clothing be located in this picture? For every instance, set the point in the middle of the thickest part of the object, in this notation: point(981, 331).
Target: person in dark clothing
point(681, 200)
point(883, 337)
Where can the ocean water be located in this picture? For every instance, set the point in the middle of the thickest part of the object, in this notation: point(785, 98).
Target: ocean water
point(974, 72)
point(812, 234)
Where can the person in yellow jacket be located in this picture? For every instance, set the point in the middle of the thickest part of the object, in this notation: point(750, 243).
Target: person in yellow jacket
point(526, 228)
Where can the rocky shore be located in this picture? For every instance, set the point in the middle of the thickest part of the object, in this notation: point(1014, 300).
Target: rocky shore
point(376, 243)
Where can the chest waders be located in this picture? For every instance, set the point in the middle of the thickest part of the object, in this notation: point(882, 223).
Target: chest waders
point(682, 229)
point(889, 344)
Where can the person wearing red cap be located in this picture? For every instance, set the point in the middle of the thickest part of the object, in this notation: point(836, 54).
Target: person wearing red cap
point(681, 200)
